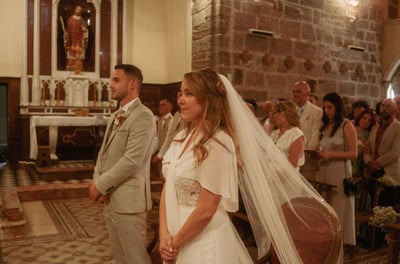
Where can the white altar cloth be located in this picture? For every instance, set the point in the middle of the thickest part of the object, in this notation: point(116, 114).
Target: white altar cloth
point(55, 121)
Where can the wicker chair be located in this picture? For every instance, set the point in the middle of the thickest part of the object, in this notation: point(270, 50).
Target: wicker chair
point(315, 230)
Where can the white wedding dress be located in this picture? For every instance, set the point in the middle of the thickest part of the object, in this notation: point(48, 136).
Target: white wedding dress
point(219, 242)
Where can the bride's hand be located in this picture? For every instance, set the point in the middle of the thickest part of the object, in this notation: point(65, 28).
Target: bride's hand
point(167, 251)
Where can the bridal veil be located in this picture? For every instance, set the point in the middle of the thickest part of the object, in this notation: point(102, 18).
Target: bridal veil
point(267, 181)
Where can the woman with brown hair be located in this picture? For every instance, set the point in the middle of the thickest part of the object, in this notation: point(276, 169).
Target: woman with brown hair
point(201, 179)
point(288, 137)
point(223, 147)
point(363, 124)
point(338, 146)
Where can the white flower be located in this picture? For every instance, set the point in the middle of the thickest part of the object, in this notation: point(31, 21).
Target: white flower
point(386, 180)
point(383, 216)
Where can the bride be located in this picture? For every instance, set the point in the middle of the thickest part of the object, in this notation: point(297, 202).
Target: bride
point(224, 147)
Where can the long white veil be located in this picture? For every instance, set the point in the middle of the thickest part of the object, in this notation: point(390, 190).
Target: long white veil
point(267, 181)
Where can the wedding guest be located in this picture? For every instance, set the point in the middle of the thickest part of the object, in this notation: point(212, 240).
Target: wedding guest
point(310, 122)
point(267, 107)
point(163, 122)
point(383, 151)
point(338, 146)
point(313, 98)
point(252, 104)
point(382, 158)
point(288, 137)
point(121, 179)
point(174, 127)
point(164, 119)
point(363, 124)
point(358, 107)
point(270, 125)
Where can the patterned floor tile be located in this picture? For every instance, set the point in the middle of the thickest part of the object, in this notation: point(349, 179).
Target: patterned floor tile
point(94, 249)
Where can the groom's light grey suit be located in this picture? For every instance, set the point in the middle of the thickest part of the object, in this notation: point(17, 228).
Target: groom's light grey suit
point(123, 173)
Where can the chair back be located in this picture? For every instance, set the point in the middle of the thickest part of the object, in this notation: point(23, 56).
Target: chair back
point(315, 230)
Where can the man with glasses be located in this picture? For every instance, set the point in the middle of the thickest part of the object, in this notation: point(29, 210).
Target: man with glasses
point(383, 158)
point(383, 154)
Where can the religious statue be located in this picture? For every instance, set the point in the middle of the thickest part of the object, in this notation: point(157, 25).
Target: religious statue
point(75, 40)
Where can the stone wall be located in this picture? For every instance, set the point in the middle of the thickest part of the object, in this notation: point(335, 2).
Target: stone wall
point(310, 42)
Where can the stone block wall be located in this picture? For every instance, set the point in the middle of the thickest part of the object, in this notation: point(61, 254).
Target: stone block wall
point(310, 42)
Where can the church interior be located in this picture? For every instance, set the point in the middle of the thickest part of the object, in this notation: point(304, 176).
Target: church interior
point(54, 108)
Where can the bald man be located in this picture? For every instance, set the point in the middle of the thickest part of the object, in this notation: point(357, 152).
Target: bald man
point(310, 122)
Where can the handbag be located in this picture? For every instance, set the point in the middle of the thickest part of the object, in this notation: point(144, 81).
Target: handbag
point(351, 185)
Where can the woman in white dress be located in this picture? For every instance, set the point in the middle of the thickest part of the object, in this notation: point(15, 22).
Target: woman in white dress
point(200, 168)
point(288, 137)
point(222, 147)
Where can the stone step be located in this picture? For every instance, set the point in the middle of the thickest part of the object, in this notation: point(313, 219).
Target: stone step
point(66, 170)
point(11, 204)
point(12, 216)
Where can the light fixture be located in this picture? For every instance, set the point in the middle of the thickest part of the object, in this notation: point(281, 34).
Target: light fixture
point(351, 9)
point(353, 3)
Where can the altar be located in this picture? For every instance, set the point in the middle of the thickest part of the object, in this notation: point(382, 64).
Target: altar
point(53, 123)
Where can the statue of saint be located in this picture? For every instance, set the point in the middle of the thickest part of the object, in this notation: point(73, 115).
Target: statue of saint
point(75, 40)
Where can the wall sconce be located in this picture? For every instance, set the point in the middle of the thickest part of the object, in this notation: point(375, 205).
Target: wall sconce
point(351, 9)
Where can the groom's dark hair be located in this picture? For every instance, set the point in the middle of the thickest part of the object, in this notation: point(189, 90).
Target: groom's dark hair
point(130, 69)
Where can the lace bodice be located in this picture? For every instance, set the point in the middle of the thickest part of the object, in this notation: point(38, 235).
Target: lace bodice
point(187, 191)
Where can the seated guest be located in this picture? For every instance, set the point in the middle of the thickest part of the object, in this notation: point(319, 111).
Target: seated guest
point(288, 137)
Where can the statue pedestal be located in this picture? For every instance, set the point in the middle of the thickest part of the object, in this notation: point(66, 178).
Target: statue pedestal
point(77, 88)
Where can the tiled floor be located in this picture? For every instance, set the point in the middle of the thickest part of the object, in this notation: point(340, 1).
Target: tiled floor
point(92, 249)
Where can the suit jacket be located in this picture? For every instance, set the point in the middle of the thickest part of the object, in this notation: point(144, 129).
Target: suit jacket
point(310, 122)
point(162, 128)
point(388, 151)
point(174, 127)
point(123, 165)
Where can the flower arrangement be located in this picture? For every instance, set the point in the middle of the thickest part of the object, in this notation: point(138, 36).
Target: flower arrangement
point(119, 119)
point(385, 180)
point(383, 216)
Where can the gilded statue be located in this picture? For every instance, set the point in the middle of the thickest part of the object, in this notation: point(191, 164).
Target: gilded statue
point(76, 38)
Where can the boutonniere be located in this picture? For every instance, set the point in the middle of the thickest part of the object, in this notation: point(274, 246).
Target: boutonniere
point(120, 119)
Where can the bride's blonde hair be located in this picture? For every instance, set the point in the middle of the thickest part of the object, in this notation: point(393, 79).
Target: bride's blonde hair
point(210, 92)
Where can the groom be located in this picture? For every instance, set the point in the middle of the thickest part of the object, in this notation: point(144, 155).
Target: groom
point(121, 178)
